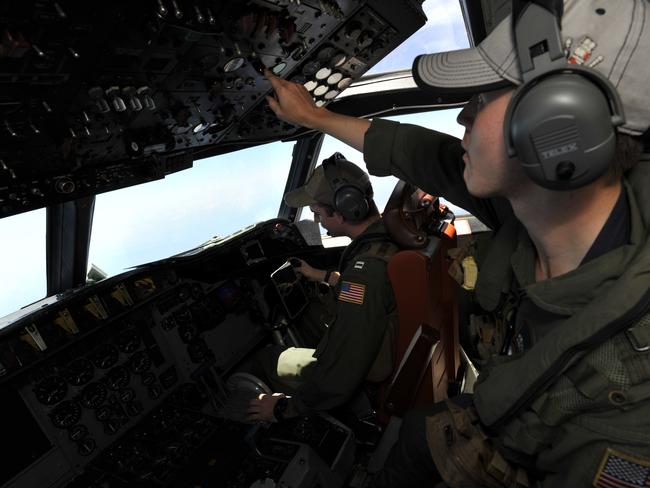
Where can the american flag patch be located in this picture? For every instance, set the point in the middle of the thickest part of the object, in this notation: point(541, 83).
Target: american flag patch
point(352, 292)
point(618, 469)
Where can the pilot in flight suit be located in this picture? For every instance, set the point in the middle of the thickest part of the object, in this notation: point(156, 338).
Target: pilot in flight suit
point(357, 345)
point(568, 272)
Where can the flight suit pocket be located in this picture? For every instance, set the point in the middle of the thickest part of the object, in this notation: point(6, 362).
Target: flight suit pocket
point(464, 455)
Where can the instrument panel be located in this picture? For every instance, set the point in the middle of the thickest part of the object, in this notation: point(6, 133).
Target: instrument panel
point(123, 382)
point(101, 95)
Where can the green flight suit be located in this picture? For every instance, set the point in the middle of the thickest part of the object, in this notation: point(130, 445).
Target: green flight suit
point(583, 387)
point(358, 343)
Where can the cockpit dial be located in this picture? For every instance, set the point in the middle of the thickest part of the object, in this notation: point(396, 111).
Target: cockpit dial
point(105, 356)
point(66, 414)
point(79, 372)
point(51, 390)
point(93, 395)
point(117, 378)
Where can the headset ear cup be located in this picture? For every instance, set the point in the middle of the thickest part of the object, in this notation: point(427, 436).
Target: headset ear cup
point(562, 130)
point(351, 203)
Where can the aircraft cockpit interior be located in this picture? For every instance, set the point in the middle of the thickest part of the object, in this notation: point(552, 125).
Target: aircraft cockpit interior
point(137, 379)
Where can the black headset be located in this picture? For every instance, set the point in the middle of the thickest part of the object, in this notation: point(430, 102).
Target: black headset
point(561, 121)
point(350, 200)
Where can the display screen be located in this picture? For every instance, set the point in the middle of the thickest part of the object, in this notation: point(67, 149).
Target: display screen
point(27, 443)
point(292, 295)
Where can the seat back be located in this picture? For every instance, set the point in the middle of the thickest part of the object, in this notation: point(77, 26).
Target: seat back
point(426, 349)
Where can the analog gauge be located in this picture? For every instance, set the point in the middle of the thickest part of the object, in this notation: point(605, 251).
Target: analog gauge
point(234, 64)
point(148, 379)
point(323, 73)
point(112, 426)
point(139, 362)
point(310, 68)
point(128, 341)
point(103, 413)
point(331, 94)
point(320, 103)
point(186, 333)
point(126, 395)
point(77, 432)
point(93, 395)
point(325, 54)
point(310, 85)
point(155, 391)
point(334, 78)
point(105, 356)
point(134, 408)
point(339, 60)
point(65, 414)
point(79, 372)
point(86, 447)
point(117, 378)
point(51, 390)
point(320, 90)
point(344, 83)
point(278, 68)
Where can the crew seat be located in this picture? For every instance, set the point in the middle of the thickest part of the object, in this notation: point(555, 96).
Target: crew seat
point(426, 349)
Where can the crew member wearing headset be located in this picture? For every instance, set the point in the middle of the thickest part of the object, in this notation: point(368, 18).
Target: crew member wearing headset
point(552, 160)
point(357, 345)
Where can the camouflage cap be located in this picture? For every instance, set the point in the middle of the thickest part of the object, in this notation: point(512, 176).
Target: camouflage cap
point(318, 190)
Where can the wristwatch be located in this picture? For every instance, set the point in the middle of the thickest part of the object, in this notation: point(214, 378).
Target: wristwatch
point(280, 407)
point(327, 277)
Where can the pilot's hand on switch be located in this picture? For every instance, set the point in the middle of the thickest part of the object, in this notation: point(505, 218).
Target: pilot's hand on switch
point(302, 268)
point(292, 102)
point(262, 407)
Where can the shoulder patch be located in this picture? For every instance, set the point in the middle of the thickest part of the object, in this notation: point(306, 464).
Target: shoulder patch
point(359, 264)
point(352, 292)
point(620, 469)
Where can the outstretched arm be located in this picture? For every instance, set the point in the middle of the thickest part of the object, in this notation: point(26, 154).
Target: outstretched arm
point(293, 103)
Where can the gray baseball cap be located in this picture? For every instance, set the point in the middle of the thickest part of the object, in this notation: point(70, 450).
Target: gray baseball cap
point(612, 37)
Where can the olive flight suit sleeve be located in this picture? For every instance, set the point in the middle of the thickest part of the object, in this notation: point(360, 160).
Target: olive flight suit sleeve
point(431, 161)
point(353, 339)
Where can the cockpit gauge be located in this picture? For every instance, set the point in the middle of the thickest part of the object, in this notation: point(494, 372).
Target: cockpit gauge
point(77, 432)
point(51, 390)
point(65, 414)
point(93, 395)
point(310, 68)
point(234, 64)
point(126, 395)
point(117, 378)
point(86, 447)
point(139, 362)
point(105, 356)
point(103, 413)
point(148, 379)
point(79, 372)
point(128, 341)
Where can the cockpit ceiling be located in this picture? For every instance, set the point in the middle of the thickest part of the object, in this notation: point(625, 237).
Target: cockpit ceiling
point(97, 96)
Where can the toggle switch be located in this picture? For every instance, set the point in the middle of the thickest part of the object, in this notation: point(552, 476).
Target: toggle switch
point(116, 101)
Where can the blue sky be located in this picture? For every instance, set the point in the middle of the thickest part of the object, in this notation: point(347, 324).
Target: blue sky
point(216, 197)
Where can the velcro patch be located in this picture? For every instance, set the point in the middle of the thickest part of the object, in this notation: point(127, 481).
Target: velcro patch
point(359, 265)
point(618, 469)
point(352, 292)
